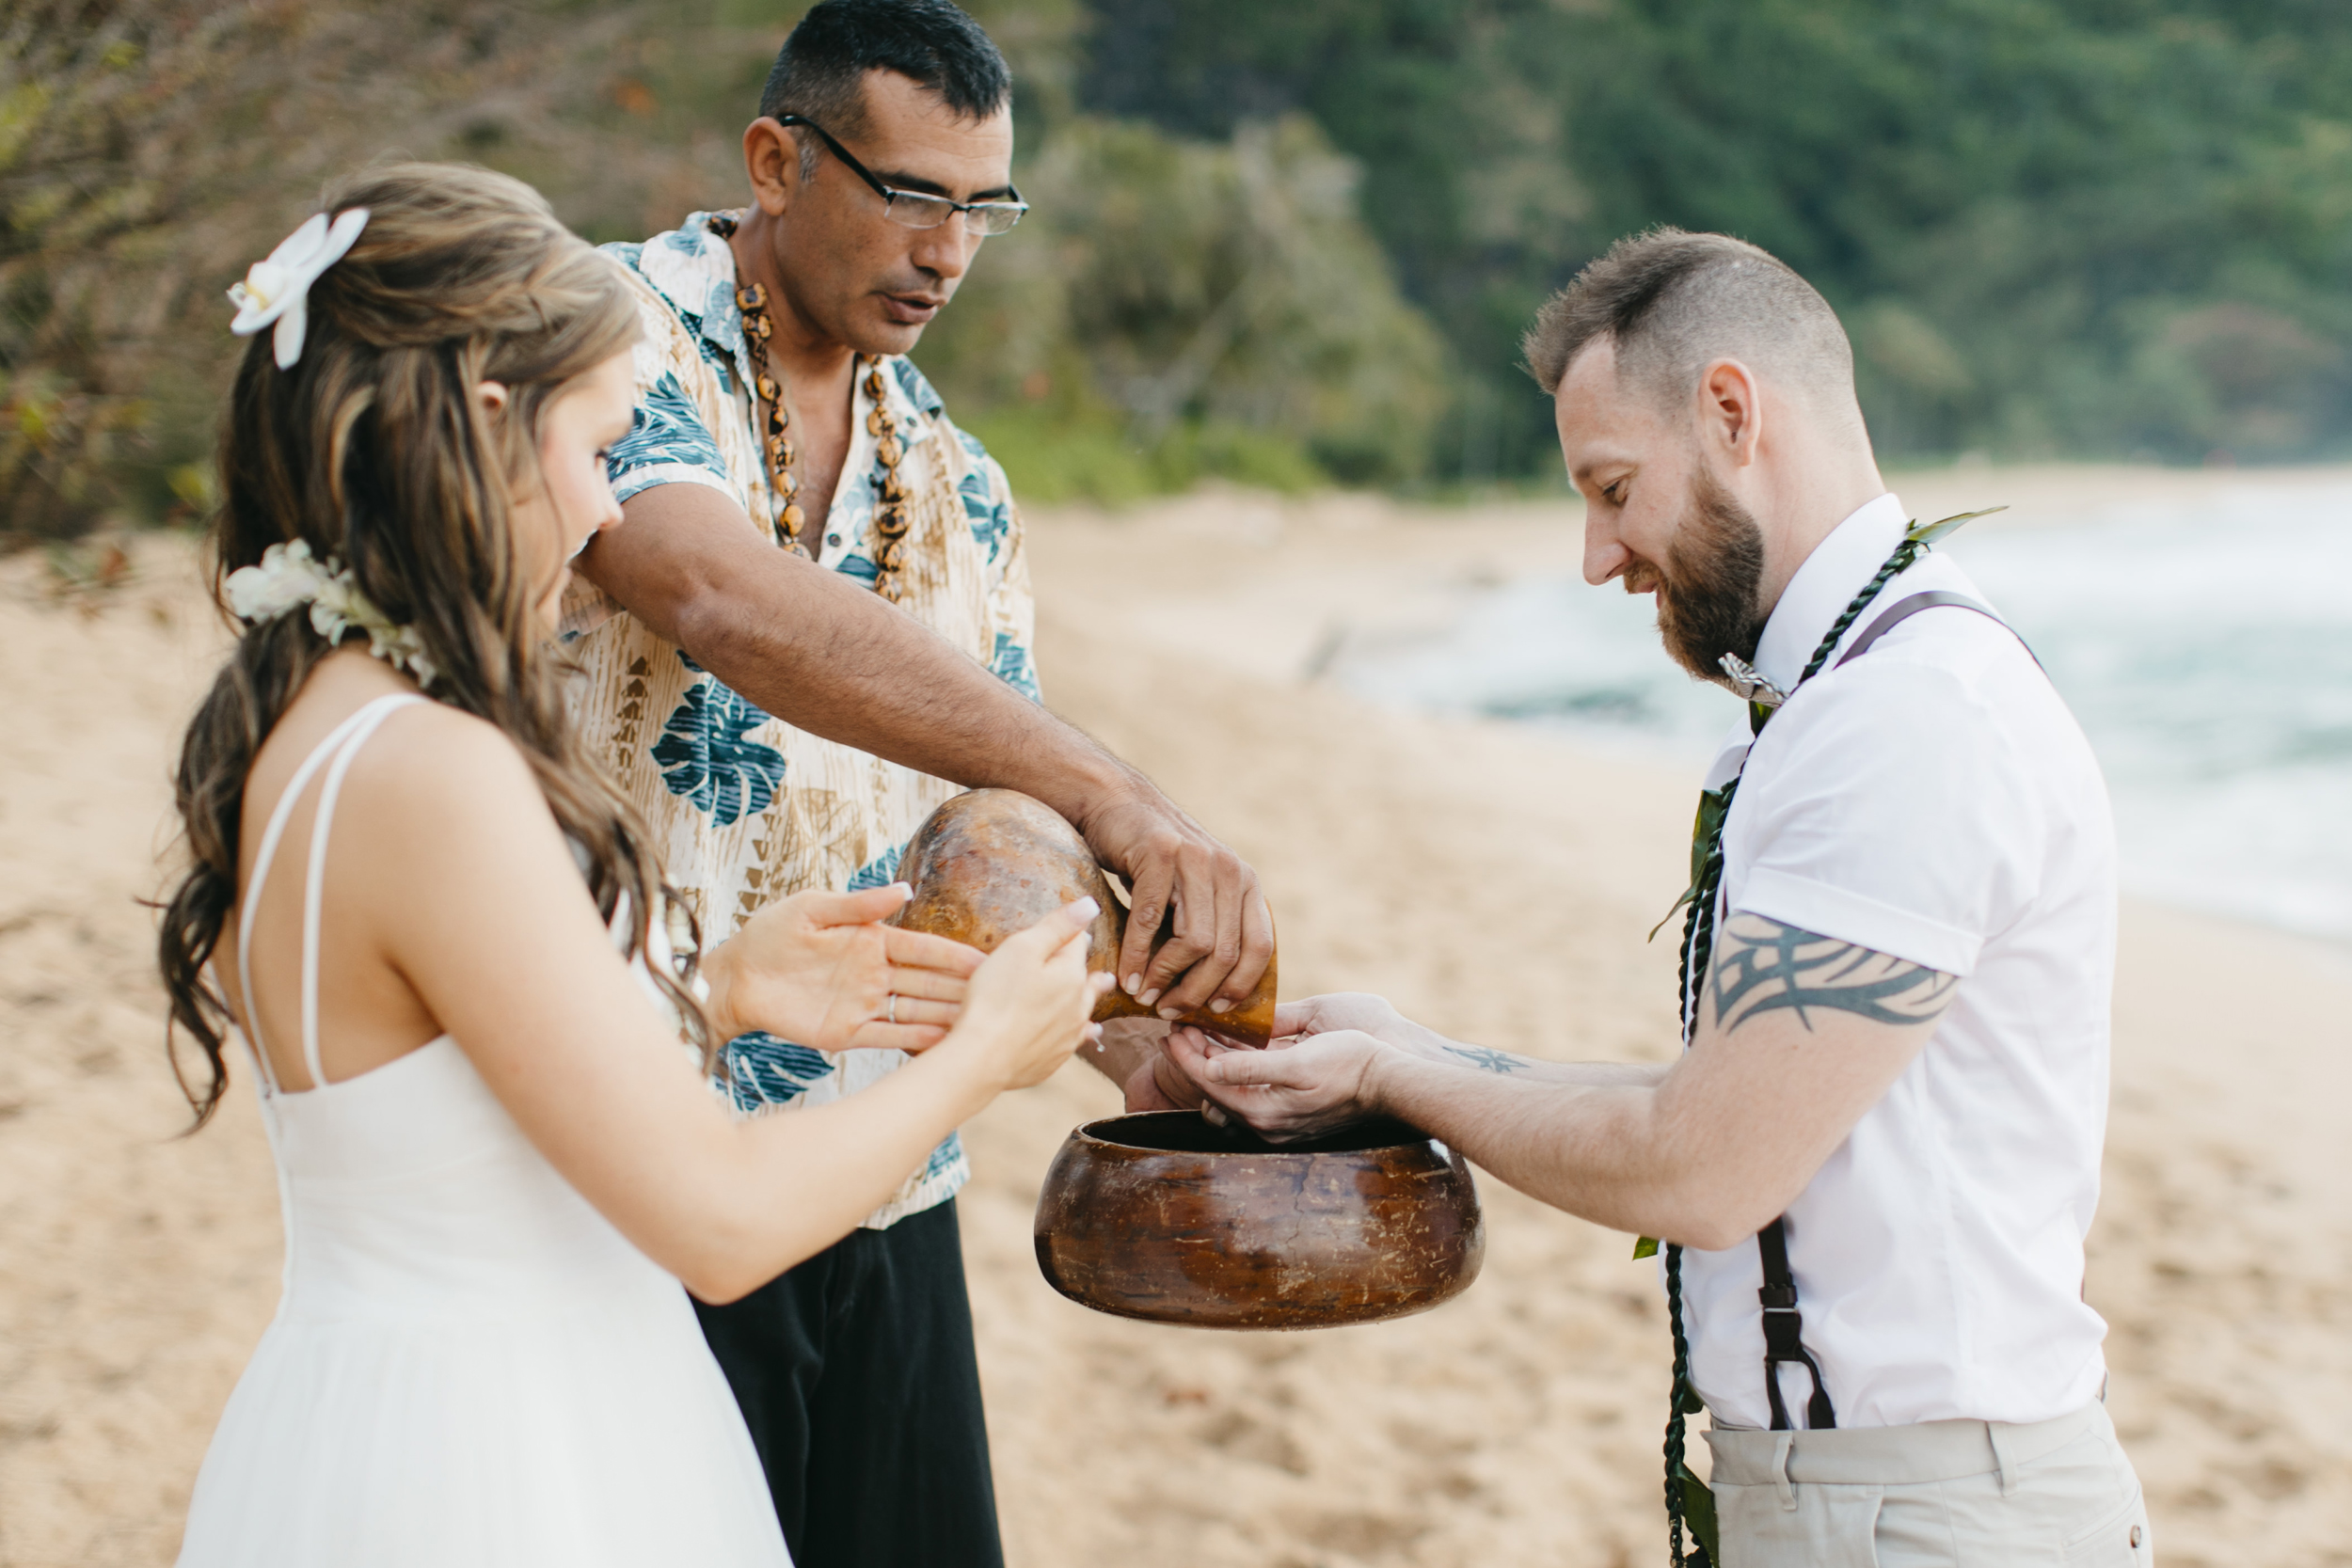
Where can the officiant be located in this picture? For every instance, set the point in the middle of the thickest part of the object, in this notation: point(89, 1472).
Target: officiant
point(814, 626)
point(1874, 1163)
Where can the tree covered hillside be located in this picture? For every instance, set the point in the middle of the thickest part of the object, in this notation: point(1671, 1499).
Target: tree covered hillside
point(2055, 227)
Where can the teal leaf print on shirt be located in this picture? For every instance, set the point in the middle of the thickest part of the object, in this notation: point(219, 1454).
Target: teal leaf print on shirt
point(763, 1069)
point(919, 388)
point(990, 519)
point(879, 872)
point(665, 434)
point(705, 756)
point(1014, 667)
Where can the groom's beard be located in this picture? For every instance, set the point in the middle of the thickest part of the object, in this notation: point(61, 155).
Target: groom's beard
point(1706, 594)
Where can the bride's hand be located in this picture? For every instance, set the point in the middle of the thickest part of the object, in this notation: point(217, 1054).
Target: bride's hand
point(819, 969)
point(1030, 1002)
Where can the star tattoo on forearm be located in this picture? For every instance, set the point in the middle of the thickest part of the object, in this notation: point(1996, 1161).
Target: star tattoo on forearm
point(1479, 1057)
point(1764, 966)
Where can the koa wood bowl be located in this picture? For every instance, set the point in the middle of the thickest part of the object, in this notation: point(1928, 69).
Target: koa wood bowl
point(992, 861)
point(1163, 1217)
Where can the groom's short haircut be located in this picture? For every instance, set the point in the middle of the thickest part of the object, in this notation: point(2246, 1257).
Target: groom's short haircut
point(821, 73)
point(1673, 303)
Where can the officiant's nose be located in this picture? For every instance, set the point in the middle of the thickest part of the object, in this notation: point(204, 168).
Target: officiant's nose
point(944, 253)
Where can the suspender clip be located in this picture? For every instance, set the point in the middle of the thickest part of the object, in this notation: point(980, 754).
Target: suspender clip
point(1784, 1334)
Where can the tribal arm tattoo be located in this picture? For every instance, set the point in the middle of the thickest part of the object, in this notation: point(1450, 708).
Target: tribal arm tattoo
point(1763, 966)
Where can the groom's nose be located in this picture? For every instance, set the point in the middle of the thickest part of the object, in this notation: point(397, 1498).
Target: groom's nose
point(1605, 554)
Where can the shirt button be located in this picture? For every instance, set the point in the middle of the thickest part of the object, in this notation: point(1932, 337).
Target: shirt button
point(832, 539)
point(2135, 1537)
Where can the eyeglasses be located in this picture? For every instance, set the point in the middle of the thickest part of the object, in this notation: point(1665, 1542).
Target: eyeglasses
point(918, 208)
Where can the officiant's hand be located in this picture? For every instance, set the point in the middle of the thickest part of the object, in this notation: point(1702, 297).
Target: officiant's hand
point(1220, 935)
point(821, 970)
point(1297, 1087)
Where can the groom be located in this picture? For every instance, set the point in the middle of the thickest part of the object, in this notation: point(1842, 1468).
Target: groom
point(1875, 1163)
point(815, 627)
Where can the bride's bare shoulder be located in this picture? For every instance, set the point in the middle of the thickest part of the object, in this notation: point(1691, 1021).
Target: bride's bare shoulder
point(430, 773)
point(441, 807)
point(431, 758)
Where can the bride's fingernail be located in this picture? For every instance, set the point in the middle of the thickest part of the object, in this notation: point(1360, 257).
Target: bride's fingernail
point(1219, 1005)
point(1133, 983)
point(1148, 997)
point(1088, 907)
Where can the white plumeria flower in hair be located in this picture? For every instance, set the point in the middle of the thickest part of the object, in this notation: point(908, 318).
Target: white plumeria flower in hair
point(288, 576)
point(277, 290)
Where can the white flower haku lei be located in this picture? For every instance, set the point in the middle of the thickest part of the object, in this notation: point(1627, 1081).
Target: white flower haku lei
point(278, 289)
point(289, 577)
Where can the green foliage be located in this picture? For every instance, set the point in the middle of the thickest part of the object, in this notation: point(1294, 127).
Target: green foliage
point(2053, 226)
point(1173, 309)
point(149, 150)
point(1053, 456)
point(1285, 244)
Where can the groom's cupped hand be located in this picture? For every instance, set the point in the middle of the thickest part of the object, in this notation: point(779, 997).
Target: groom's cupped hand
point(1301, 1085)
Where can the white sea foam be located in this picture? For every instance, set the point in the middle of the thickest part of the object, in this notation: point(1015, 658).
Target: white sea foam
point(2206, 649)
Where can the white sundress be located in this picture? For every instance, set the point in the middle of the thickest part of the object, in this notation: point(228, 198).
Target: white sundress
point(469, 1366)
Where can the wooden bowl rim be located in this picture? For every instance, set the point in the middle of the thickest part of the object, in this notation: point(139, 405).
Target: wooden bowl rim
point(1089, 1133)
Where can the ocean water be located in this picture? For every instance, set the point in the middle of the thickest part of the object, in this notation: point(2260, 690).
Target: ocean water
point(2206, 651)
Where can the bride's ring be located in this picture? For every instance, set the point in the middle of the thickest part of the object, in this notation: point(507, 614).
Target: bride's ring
point(894, 1007)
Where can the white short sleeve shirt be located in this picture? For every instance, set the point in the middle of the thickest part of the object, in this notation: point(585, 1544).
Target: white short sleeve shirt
point(1934, 801)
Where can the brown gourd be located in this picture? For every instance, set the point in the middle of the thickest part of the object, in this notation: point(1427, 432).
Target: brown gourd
point(992, 861)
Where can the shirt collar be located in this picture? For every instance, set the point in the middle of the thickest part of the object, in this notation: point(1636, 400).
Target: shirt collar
point(1825, 584)
point(695, 270)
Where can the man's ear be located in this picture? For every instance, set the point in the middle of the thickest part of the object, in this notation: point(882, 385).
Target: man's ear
point(771, 157)
point(1731, 411)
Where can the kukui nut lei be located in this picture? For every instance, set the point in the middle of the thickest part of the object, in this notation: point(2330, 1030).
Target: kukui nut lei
point(891, 520)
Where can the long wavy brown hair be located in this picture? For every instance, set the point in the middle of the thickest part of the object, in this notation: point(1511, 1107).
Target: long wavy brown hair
point(375, 449)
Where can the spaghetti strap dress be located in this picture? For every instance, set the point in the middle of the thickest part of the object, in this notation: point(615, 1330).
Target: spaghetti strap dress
point(469, 1366)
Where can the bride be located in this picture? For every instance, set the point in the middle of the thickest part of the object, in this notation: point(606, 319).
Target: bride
point(444, 937)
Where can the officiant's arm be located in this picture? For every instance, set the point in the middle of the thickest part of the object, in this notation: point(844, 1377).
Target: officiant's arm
point(826, 655)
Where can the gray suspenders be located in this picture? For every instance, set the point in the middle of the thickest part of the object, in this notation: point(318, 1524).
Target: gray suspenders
point(1903, 609)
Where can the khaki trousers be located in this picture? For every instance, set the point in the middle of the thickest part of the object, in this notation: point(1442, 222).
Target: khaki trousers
point(2055, 1494)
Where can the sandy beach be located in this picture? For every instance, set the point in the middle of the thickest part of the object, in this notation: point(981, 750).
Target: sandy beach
point(1494, 881)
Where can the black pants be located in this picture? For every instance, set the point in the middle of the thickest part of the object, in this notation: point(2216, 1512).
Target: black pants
point(857, 1377)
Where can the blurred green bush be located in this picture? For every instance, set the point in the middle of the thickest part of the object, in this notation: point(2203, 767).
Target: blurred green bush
point(149, 150)
point(1171, 309)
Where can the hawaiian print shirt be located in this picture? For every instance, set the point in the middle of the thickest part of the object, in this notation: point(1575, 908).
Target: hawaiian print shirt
point(743, 807)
